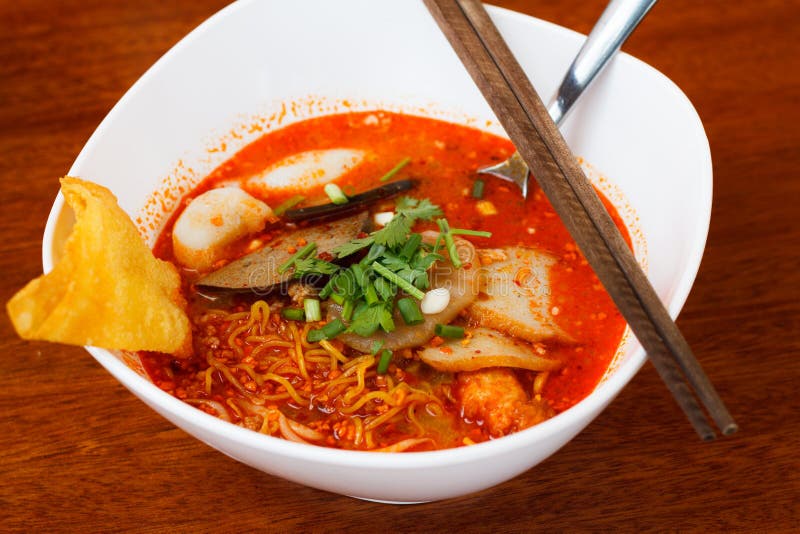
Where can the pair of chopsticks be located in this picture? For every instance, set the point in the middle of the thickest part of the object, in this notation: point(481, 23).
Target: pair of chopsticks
point(487, 58)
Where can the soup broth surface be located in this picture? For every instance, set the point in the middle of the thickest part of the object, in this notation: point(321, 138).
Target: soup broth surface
point(246, 366)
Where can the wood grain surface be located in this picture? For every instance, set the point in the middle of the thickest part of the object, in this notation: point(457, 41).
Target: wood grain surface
point(80, 453)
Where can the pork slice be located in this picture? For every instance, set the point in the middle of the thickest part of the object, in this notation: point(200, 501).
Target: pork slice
point(258, 271)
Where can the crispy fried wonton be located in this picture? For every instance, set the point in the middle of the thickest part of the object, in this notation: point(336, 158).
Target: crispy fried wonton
point(108, 290)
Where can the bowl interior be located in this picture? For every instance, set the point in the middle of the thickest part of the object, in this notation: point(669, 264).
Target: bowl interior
point(235, 77)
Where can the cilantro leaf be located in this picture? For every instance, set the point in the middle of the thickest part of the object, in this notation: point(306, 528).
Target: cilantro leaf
point(422, 262)
point(353, 246)
point(348, 285)
point(394, 233)
point(386, 290)
point(417, 209)
point(313, 266)
point(421, 281)
point(405, 203)
point(368, 319)
point(385, 318)
point(393, 262)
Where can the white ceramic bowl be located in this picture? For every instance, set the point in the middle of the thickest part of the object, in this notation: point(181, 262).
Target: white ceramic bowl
point(255, 58)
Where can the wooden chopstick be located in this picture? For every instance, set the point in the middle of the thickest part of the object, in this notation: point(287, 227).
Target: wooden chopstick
point(508, 91)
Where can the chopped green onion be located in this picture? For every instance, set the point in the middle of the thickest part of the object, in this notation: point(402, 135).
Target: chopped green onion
point(394, 170)
point(334, 328)
point(360, 275)
point(370, 295)
point(411, 246)
point(346, 282)
point(449, 243)
point(477, 233)
point(315, 336)
point(311, 307)
point(399, 282)
point(410, 311)
point(361, 307)
point(376, 346)
point(293, 314)
point(326, 291)
point(439, 242)
point(383, 364)
point(446, 330)
point(288, 204)
point(347, 310)
point(299, 255)
point(477, 188)
point(337, 298)
point(329, 331)
point(334, 193)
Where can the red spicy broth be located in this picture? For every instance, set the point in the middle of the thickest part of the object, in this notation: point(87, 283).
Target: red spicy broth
point(444, 158)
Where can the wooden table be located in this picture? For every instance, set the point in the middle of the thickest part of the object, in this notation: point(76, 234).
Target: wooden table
point(78, 452)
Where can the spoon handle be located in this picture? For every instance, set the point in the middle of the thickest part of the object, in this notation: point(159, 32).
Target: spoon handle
point(614, 26)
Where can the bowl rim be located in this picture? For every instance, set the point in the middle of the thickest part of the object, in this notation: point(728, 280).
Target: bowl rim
point(584, 410)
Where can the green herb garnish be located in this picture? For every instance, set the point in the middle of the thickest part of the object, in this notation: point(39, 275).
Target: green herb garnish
point(288, 204)
point(409, 211)
point(353, 246)
point(312, 310)
point(446, 330)
point(448, 242)
point(335, 193)
point(399, 281)
point(394, 170)
point(293, 314)
point(410, 312)
point(383, 363)
point(393, 259)
point(476, 233)
point(369, 318)
point(313, 266)
point(347, 309)
point(477, 188)
point(300, 254)
point(329, 331)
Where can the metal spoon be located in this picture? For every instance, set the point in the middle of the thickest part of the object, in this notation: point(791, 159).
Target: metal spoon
point(616, 23)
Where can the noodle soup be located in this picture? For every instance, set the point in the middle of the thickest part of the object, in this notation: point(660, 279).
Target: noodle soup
point(527, 330)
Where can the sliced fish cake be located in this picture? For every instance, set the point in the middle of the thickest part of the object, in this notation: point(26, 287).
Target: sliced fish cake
point(515, 294)
point(486, 348)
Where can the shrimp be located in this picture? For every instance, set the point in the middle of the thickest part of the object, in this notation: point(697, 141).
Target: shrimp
point(495, 397)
